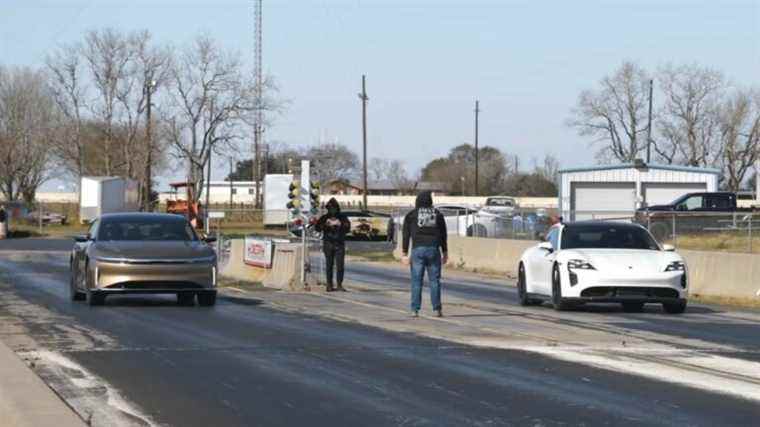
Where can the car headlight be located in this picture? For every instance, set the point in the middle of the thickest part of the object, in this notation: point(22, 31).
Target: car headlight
point(676, 266)
point(579, 264)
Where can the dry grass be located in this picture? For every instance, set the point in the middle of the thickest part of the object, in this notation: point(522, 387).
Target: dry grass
point(719, 242)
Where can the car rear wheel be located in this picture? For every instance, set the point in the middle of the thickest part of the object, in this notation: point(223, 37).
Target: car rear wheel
point(186, 299)
point(675, 307)
point(633, 307)
point(207, 299)
point(560, 304)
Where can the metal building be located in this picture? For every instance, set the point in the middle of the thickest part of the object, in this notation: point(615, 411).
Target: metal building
point(618, 190)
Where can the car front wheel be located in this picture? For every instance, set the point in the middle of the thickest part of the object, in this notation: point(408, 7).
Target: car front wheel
point(560, 304)
point(675, 307)
point(74, 293)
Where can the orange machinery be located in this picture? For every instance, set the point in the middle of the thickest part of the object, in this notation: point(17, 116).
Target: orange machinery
point(183, 207)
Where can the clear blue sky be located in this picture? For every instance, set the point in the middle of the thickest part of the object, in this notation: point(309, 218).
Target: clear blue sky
point(426, 60)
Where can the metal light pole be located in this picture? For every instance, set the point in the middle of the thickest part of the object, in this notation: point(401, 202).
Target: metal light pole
point(148, 186)
point(649, 127)
point(364, 98)
point(477, 154)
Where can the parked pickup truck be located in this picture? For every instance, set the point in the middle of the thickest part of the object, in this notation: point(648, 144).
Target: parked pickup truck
point(695, 212)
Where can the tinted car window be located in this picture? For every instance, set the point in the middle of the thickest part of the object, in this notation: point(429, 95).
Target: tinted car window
point(718, 202)
point(146, 229)
point(604, 236)
point(690, 204)
point(499, 202)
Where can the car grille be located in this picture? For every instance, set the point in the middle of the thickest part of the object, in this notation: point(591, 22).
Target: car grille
point(147, 285)
point(614, 291)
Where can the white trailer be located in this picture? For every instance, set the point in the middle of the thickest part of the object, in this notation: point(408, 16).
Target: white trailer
point(276, 189)
point(106, 194)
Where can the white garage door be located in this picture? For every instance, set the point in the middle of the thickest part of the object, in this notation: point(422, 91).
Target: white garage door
point(597, 200)
point(660, 193)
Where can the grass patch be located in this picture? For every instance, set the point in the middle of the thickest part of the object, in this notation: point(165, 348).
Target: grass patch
point(225, 282)
point(719, 242)
point(25, 231)
point(375, 256)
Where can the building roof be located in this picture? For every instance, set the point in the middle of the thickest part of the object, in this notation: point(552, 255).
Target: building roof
point(676, 168)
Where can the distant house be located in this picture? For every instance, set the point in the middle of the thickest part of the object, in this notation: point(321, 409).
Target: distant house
point(437, 188)
point(352, 188)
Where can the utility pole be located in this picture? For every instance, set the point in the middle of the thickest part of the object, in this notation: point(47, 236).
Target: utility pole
point(258, 122)
point(649, 126)
point(364, 98)
point(477, 154)
point(231, 184)
point(150, 86)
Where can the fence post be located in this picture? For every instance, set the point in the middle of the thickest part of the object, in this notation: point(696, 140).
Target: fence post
point(675, 234)
point(39, 216)
point(750, 233)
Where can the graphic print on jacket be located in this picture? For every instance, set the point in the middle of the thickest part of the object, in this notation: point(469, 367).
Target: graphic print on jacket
point(426, 217)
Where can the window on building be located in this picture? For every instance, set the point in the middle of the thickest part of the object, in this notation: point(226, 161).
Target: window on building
point(250, 191)
point(234, 191)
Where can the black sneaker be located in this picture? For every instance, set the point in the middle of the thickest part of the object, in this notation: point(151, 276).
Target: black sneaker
point(341, 288)
point(415, 313)
point(439, 313)
point(329, 288)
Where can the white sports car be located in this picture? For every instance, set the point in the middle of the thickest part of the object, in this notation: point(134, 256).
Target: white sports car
point(602, 261)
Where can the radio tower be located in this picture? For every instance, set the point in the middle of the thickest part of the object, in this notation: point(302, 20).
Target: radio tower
point(259, 114)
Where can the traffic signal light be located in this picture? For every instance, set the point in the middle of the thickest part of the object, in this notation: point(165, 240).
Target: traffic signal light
point(314, 197)
point(294, 194)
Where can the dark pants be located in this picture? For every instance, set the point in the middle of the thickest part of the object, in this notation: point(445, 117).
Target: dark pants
point(335, 255)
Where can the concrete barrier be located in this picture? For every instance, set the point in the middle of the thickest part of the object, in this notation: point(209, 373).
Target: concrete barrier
point(713, 274)
point(237, 269)
point(723, 274)
point(285, 273)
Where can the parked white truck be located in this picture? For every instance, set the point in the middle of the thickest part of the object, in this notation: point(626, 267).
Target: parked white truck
point(106, 194)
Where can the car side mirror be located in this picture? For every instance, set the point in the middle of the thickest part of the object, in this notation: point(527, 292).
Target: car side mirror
point(209, 239)
point(83, 238)
point(547, 246)
point(668, 248)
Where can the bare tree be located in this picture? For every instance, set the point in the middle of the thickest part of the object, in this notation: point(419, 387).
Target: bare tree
point(378, 168)
point(615, 114)
point(740, 135)
point(108, 55)
point(210, 99)
point(26, 114)
point(67, 85)
point(148, 70)
point(549, 169)
point(333, 161)
point(688, 121)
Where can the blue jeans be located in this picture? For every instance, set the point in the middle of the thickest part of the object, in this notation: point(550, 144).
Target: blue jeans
point(426, 258)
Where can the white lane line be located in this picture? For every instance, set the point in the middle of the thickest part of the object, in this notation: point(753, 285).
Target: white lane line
point(718, 374)
point(96, 401)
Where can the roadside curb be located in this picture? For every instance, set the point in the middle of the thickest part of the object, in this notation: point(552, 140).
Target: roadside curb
point(26, 401)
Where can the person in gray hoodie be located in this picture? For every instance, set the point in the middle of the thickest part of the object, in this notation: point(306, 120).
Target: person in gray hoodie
point(425, 228)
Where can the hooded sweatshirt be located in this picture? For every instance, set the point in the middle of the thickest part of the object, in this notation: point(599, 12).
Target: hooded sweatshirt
point(333, 233)
point(424, 226)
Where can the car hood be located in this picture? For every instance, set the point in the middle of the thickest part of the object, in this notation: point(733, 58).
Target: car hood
point(151, 250)
point(623, 260)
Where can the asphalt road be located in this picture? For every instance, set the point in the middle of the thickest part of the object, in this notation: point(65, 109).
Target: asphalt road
point(145, 361)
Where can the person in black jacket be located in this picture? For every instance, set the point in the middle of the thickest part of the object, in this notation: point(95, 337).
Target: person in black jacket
point(425, 227)
point(334, 226)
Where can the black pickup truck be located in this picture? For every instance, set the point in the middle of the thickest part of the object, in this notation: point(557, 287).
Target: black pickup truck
point(695, 212)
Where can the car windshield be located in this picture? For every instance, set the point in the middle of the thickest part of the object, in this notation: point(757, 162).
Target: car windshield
point(607, 236)
point(499, 202)
point(155, 229)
